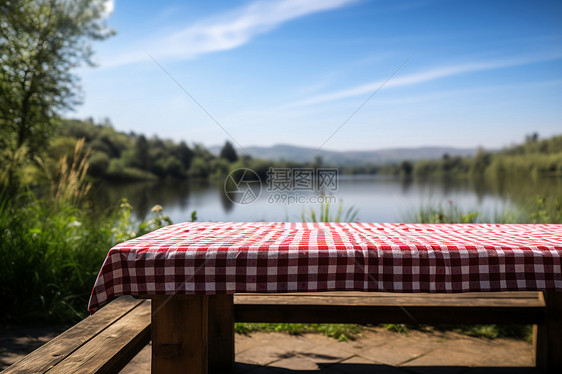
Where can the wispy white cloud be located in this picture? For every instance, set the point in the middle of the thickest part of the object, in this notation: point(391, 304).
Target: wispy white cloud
point(229, 30)
point(488, 90)
point(426, 76)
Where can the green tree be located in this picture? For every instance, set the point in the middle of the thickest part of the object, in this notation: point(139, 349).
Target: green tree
point(41, 41)
point(142, 158)
point(199, 168)
point(481, 161)
point(406, 168)
point(228, 152)
point(99, 162)
point(185, 154)
point(532, 138)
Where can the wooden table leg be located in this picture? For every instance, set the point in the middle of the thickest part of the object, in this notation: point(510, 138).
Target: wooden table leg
point(179, 334)
point(221, 333)
point(548, 335)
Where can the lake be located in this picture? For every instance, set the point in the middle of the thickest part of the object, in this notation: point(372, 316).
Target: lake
point(376, 198)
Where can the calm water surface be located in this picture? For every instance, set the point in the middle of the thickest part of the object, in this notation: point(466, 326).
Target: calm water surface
point(377, 198)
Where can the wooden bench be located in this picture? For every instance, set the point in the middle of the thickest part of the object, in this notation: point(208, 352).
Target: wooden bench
point(106, 341)
point(102, 343)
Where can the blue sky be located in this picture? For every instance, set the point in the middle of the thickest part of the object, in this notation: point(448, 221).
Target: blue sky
point(462, 73)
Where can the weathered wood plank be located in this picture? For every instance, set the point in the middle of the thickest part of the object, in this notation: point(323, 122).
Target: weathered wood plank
point(57, 349)
point(374, 308)
point(179, 334)
point(113, 348)
point(221, 333)
point(464, 295)
point(372, 299)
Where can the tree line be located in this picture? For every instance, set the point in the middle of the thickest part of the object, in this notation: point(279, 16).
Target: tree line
point(118, 156)
point(534, 157)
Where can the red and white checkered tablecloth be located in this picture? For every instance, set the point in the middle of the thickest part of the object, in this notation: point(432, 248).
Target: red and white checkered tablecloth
point(215, 258)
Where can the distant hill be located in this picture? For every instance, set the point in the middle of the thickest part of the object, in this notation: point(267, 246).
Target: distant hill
point(381, 156)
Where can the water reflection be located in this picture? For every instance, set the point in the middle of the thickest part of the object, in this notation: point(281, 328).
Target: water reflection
point(227, 204)
point(378, 198)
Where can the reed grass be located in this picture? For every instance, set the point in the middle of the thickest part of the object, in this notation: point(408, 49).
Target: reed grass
point(51, 248)
point(325, 214)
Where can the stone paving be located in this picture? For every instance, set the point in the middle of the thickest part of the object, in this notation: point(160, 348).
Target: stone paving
point(376, 351)
point(16, 342)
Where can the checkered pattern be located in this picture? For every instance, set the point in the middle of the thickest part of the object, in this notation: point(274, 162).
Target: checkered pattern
point(215, 258)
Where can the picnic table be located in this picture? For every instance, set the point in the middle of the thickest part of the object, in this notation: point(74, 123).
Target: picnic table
point(180, 267)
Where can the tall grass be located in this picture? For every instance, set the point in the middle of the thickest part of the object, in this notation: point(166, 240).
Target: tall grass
point(51, 249)
point(51, 256)
point(325, 214)
point(536, 209)
point(71, 186)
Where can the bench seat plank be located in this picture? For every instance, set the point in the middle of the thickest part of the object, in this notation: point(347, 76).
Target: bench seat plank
point(113, 348)
point(51, 353)
point(392, 299)
point(374, 308)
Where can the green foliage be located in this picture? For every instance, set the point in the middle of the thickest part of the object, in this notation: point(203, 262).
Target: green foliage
point(184, 154)
point(118, 171)
point(325, 215)
point(480, 162)
point(99, 164)
point(40, 43)
point(450, 213)
point(52, 254)
point(533, 158)
point(406, 168)
point(546, 209)
point(341, 332)
point(228, 152)
point(166, 165)
point(534, 209)
point(129, 157)
point(51, 258)
point(397, 327)
point(533, 145)
point(199, 168)
point(221, 169)
point(141, 155)
point(51, 248)
point(124, 228)
point(125, 157)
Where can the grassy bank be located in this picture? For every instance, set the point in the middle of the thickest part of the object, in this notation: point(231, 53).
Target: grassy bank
point(51, 247)
point(51, 255)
